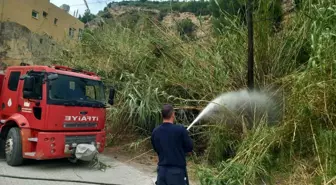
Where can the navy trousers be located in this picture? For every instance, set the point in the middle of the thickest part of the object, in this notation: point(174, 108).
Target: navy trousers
point(172, 176)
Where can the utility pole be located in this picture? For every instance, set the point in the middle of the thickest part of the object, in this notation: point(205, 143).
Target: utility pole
point(88, 9)
point(86, 4)
point(250, 56)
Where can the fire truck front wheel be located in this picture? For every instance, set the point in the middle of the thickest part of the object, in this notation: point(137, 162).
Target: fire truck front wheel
point(13, 147)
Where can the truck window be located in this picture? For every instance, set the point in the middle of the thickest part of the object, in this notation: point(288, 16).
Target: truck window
point(71, 88)
point(13, 80)
point(90, 92)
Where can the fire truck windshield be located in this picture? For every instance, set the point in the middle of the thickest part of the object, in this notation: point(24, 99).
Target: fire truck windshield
point(70, 90)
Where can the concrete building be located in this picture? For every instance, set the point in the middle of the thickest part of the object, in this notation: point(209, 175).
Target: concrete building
point(42, 17)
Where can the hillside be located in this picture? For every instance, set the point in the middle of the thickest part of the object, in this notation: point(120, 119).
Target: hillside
point(171, 14)
point(199, 25)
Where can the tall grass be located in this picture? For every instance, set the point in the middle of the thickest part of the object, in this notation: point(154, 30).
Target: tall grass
point(150, 65)
point(308, 125)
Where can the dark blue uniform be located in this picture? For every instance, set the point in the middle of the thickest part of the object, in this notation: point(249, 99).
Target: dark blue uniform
point(171, 142)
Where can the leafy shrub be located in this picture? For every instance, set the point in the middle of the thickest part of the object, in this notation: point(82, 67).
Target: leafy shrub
point(186, 27)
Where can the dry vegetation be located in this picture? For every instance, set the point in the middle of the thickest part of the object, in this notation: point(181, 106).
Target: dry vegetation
point(149, 66)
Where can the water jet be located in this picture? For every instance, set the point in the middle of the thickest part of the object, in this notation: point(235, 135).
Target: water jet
point(231, 106)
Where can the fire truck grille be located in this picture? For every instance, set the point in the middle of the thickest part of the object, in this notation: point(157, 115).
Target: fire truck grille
point(88, 139)
point(80, 125)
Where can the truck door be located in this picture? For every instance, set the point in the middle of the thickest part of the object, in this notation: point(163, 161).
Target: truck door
point(10, 89)
point(34, 106)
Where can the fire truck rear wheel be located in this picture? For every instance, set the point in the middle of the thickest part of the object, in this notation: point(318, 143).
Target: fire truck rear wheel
point(13, 147)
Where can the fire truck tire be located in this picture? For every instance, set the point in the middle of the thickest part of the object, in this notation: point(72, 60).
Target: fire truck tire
point(13, 147)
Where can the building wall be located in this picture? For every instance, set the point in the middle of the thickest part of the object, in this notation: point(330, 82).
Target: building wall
point(19, 45)
point(50, 20)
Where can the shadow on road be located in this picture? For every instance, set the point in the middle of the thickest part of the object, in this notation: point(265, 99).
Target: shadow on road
point(54, 164)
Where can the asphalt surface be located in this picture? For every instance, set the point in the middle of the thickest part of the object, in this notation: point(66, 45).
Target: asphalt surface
point(118, 173)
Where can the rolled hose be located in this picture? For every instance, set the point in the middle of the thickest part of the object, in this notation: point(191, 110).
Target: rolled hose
point(55, 180)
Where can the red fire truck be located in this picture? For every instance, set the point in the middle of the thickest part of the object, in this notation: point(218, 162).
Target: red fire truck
point(46, 111)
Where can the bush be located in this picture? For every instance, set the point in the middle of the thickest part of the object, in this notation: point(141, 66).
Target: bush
point(87, 17)
point(186, 27)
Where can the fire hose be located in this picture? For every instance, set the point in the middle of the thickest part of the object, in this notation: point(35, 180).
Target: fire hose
point(85, 152)
point(54, 180)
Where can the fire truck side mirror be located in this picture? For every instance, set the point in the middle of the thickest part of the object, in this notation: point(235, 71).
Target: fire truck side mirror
point(111, 96)
point(28, 86)
point(29, 83)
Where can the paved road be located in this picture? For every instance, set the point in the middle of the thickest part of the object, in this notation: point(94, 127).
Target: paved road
point(119, 173)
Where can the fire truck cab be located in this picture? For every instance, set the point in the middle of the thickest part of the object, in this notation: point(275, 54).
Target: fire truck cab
point(46, 111)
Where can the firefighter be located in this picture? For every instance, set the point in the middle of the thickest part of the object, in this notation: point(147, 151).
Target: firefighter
point(171, 142)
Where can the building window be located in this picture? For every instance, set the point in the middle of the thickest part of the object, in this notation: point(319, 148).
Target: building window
point(55, 21)
point(13, 80)
point(71, 32)
point(80, 33)
point(45, 14)
point(35, 14)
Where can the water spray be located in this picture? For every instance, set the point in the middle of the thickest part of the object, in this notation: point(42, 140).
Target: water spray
point(231, 105)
